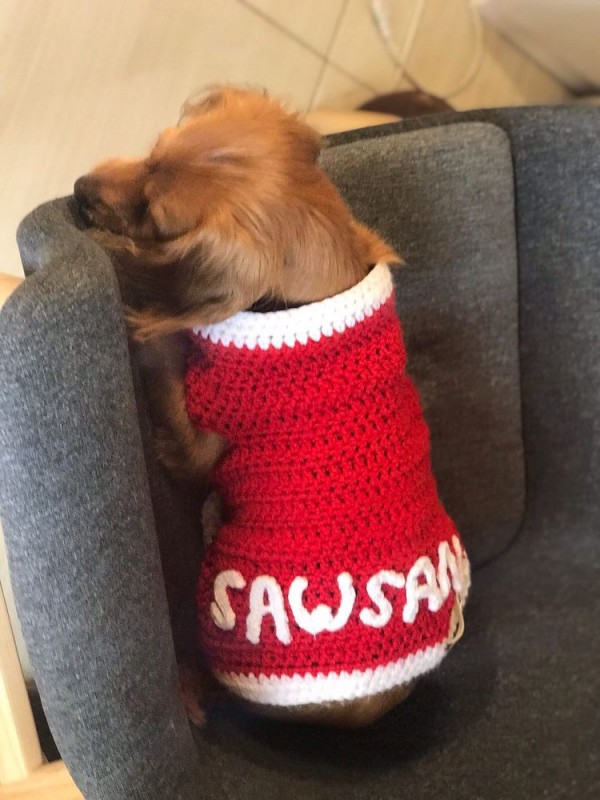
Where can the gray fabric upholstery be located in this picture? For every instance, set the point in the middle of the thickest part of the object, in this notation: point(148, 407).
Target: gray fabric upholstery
point(78, 522)
point(556, 163)
point(512, 713)
point(449, 211)
point(494, 212)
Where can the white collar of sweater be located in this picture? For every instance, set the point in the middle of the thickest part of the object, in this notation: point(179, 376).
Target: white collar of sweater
point(293, 326)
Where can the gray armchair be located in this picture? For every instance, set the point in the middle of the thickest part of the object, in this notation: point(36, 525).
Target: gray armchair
point(496, 215)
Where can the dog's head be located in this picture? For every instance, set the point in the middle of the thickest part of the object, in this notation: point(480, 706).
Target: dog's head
point(228, 208)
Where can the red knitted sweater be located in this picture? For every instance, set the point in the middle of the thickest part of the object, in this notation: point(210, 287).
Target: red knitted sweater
point(335, 571)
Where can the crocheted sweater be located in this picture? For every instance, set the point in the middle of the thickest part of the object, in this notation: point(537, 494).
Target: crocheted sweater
point(336, 568)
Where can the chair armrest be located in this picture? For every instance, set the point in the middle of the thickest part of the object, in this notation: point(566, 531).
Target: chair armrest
point(8, 283)
point(17, 728)
point(74, 500)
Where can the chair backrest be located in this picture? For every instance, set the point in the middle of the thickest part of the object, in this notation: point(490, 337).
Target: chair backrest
point(444, 198)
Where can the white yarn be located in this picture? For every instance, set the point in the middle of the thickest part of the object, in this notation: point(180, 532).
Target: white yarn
point(310, 322)
point(450, 569)
point(377, 619)
point(417, 591)
point(259, 608)
point(322, 617)
point(221, 611)
point(297, 690)
point(422, 582)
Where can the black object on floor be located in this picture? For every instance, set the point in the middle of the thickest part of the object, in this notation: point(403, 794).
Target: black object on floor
point(407, 104)
point(47, 743)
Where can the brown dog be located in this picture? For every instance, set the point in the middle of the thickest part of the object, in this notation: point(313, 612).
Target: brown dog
point(229, 211)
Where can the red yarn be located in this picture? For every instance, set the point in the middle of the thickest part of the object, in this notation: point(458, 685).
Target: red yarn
point(328, 472)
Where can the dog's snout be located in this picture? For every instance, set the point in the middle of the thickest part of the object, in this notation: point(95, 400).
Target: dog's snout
point(87, 191)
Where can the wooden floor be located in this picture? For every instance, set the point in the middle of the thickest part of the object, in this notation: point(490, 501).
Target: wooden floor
point(49, 782)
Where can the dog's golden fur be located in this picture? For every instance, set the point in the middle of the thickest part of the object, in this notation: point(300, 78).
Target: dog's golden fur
point(229, 209)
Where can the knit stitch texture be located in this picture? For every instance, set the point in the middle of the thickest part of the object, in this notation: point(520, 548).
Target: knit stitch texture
point(336, 569)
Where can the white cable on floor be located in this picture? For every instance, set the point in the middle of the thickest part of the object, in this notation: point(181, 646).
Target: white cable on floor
point(381, 18)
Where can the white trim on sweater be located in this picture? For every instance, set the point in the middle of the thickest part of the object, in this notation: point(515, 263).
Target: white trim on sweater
point(299, 690)
point(297, 325)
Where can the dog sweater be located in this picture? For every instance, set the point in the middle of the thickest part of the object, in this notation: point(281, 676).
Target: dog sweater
point(336, 568)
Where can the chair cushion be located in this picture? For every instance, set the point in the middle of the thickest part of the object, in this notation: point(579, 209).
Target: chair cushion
point(512, 713)
point(444, 198)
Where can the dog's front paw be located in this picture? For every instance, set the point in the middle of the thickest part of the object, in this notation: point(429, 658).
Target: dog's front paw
point(170, 454)
point(175, 459)
point(193, 690)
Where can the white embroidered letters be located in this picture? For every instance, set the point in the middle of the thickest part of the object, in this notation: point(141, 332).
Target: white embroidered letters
point(464, 568)
point(221, 611)
point(448, 573)
point(417, 591)
point(322, 618)
point(377, 619)
point(423, 582)
point(261, 586)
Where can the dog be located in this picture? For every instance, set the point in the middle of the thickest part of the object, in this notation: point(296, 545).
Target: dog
point(230, 211)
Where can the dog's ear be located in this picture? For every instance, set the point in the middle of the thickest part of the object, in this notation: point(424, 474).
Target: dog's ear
point(372, 247)
point(217, 96)
point(201, 278)
point(208, 99)
point(307, 142)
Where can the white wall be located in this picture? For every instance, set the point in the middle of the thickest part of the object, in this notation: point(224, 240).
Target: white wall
point(562, 35)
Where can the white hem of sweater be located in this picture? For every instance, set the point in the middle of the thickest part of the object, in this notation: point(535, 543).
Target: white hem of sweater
point(299, 690)
point(310, 322)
